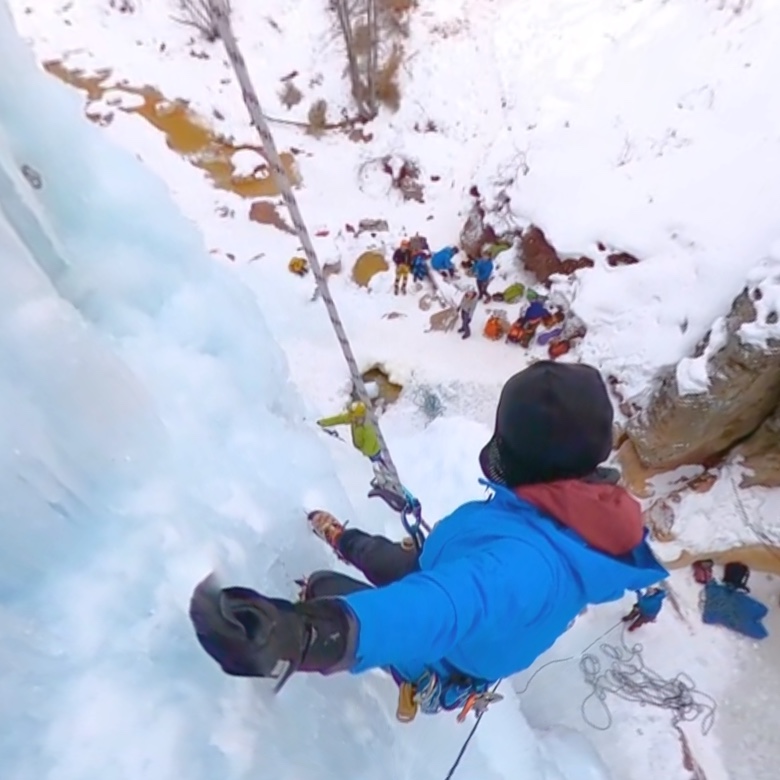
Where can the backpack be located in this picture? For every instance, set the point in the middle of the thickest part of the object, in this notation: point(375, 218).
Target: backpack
point(736, 575)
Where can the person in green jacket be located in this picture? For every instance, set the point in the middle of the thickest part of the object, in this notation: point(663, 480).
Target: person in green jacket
point(364, 436)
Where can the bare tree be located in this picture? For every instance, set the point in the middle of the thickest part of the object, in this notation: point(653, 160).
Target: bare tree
point(345, 12)
point(373, 32)
point(198, 14)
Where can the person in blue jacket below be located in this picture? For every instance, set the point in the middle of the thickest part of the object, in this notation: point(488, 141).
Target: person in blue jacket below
point(483, 270)
point(647, 608)
point(496, 582)
point(442, 261)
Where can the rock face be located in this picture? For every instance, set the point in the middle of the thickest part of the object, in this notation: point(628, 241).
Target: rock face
point(621, 258)
point(476, 233)
point(539, 257)
point(761, 454)
point(677, 428)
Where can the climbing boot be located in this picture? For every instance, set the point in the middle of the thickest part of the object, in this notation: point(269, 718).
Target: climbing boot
point(327, 528)
point(407, 707)
point(250, 635)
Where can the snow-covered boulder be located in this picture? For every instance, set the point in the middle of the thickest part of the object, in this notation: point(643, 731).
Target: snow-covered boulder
point(705, 404)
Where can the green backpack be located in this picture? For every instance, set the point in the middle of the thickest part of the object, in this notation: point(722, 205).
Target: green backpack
point(514, 292)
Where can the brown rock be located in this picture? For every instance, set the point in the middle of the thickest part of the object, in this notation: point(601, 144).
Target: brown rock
point(676, 429)
point(475, 233)
point(636, 477)
point(372, 226)
point(761, 454)
point(539, 257)
point(621, 258)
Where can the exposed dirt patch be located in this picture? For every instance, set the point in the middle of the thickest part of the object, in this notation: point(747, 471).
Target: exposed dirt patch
point(635, 476)
point(367, 266)
point(759, 557)
point(185, 132)
point(265, 213)
point(389, 392)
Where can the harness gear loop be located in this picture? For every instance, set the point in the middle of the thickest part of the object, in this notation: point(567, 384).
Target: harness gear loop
point(479, 703)
point(431, 694)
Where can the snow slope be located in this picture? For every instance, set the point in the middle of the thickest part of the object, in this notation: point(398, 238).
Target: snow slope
point(150, 433)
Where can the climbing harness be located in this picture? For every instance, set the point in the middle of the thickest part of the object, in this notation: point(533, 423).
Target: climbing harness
point(431, 694)
point(221, 18)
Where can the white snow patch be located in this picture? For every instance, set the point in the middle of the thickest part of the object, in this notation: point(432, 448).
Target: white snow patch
point(692, 373)
point(246, 161)
point(764, 287)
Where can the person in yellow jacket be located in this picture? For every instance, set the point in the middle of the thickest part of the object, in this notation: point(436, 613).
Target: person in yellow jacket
point(364, 436)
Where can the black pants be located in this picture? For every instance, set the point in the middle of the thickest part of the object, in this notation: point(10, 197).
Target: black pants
point(380, 560)
point(465, 328)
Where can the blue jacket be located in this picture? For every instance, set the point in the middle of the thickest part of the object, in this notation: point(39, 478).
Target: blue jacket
point(649, 604)
point(499, 583)
point(536, 311)
point(419, 266)
point(483, 268)
point(442, 260)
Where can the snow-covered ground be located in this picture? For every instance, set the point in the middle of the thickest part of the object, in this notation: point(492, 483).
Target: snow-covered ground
point(651, 127)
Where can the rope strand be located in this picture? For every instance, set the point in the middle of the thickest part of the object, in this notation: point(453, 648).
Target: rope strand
point(223, 26)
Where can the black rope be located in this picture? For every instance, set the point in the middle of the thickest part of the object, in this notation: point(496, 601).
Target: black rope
point(465, 745)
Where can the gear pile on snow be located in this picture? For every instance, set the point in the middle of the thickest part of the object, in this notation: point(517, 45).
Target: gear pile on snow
point(728, 603)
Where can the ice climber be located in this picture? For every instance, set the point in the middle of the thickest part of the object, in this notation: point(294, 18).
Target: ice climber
point(496, 582)
point(364, 436)
point(402, 259)
point(647, 608)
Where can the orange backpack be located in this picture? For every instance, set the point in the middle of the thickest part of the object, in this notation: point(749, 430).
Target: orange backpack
point(494, 328)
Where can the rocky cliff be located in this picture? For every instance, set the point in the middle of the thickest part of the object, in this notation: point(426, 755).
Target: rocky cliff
point(727, 393)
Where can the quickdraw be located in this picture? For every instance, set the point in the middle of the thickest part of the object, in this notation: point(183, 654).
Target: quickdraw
point(413, 527)
point(478, 704)
point(407, 506)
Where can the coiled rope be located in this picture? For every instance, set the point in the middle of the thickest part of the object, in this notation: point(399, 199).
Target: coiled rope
point(221, 16)
point(626, 676)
